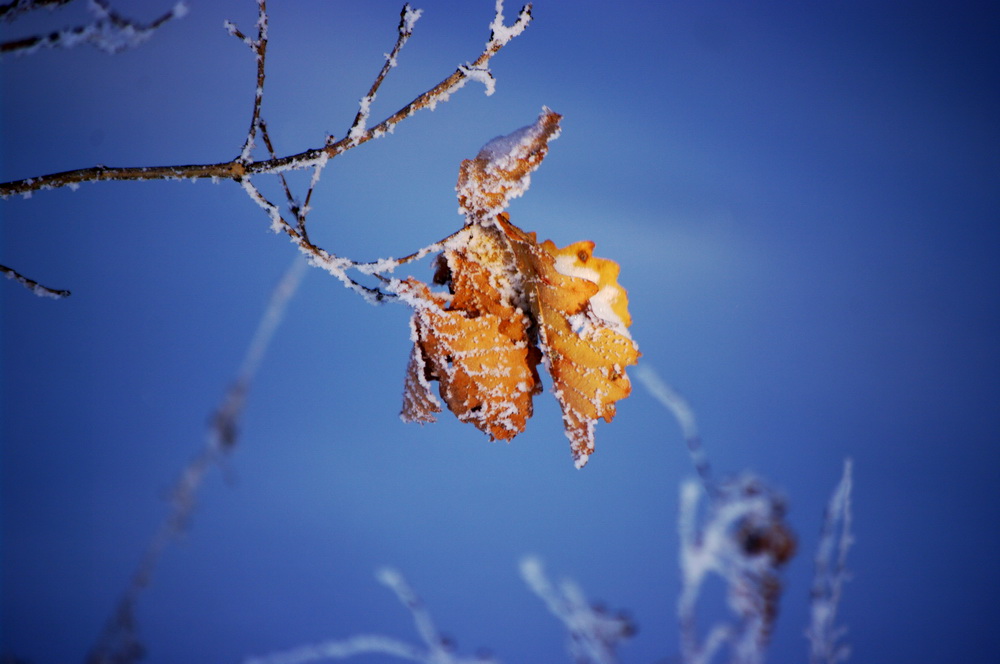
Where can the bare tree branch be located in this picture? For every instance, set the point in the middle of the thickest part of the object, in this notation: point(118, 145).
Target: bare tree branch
point(235, 169)
point(407, 19)
point(259, 47)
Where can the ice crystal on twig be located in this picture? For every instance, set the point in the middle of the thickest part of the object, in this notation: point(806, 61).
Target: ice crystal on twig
point(831, 574)
point(594, 634)
point(436, 649)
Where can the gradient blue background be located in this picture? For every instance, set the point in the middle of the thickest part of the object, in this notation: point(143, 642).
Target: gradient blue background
point(804, 199)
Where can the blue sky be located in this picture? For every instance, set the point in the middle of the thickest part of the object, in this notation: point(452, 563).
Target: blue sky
point(804, 201)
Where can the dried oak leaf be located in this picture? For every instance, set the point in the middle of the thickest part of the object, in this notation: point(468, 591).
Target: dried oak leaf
point(474, 342)
point(582, 319)
point(511, 302)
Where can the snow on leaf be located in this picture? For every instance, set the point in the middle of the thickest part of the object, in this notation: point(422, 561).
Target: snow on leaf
point(474, 342)
point(587, 353)
point(502, 169)
point(513, 302)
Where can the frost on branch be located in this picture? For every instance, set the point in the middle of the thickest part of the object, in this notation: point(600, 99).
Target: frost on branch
point(436, 649)
point(824, 635)
point(513, 303)
point(744, 539)
point(594, 633)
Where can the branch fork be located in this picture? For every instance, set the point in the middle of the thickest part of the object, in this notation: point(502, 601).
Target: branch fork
point(243, 168)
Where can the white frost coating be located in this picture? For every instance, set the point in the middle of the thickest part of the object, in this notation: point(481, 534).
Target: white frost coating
point(481, 75)
point(361, 124)
point(410, 17)
point(501, 155)
point(567, 265)
point(318, 170)
point(594, 634)
point(503, 149)
point(500, 34)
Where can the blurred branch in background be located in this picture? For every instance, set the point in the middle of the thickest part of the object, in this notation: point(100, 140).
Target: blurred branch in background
point(120, 643)
point(437, 649)
point(109, 31)
point(831, 574)
point(743, 539)
point(594, 634)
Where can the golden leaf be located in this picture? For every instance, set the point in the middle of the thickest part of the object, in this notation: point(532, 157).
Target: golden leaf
point(582, 318)
point(511, 302)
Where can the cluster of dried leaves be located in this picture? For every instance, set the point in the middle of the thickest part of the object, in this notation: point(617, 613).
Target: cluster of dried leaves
point(513, 303)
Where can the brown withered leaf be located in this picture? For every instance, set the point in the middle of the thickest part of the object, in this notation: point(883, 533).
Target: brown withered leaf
point(474, 343)
point(511, 302)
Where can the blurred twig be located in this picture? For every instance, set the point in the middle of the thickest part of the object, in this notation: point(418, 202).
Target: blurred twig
point(831, 574)
point(109, 31)
point(594, 634)
point(436, 648)
point(119, 643)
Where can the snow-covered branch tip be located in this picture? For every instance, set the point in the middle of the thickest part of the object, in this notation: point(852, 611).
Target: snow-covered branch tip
point(594, 634)
point(500, 33)
point(436, 649)
point(109, 31)
point(259, 47)
point(32, 285)
point(831, 574)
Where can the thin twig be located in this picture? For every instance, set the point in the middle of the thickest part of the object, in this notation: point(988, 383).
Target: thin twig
point(407, 18)
point(824, 634)
point(236, 170)
point(684, 415)
point(32, 285)
point(296, 209)
point(11, 10)
point(259, 47)
point(436, 650)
